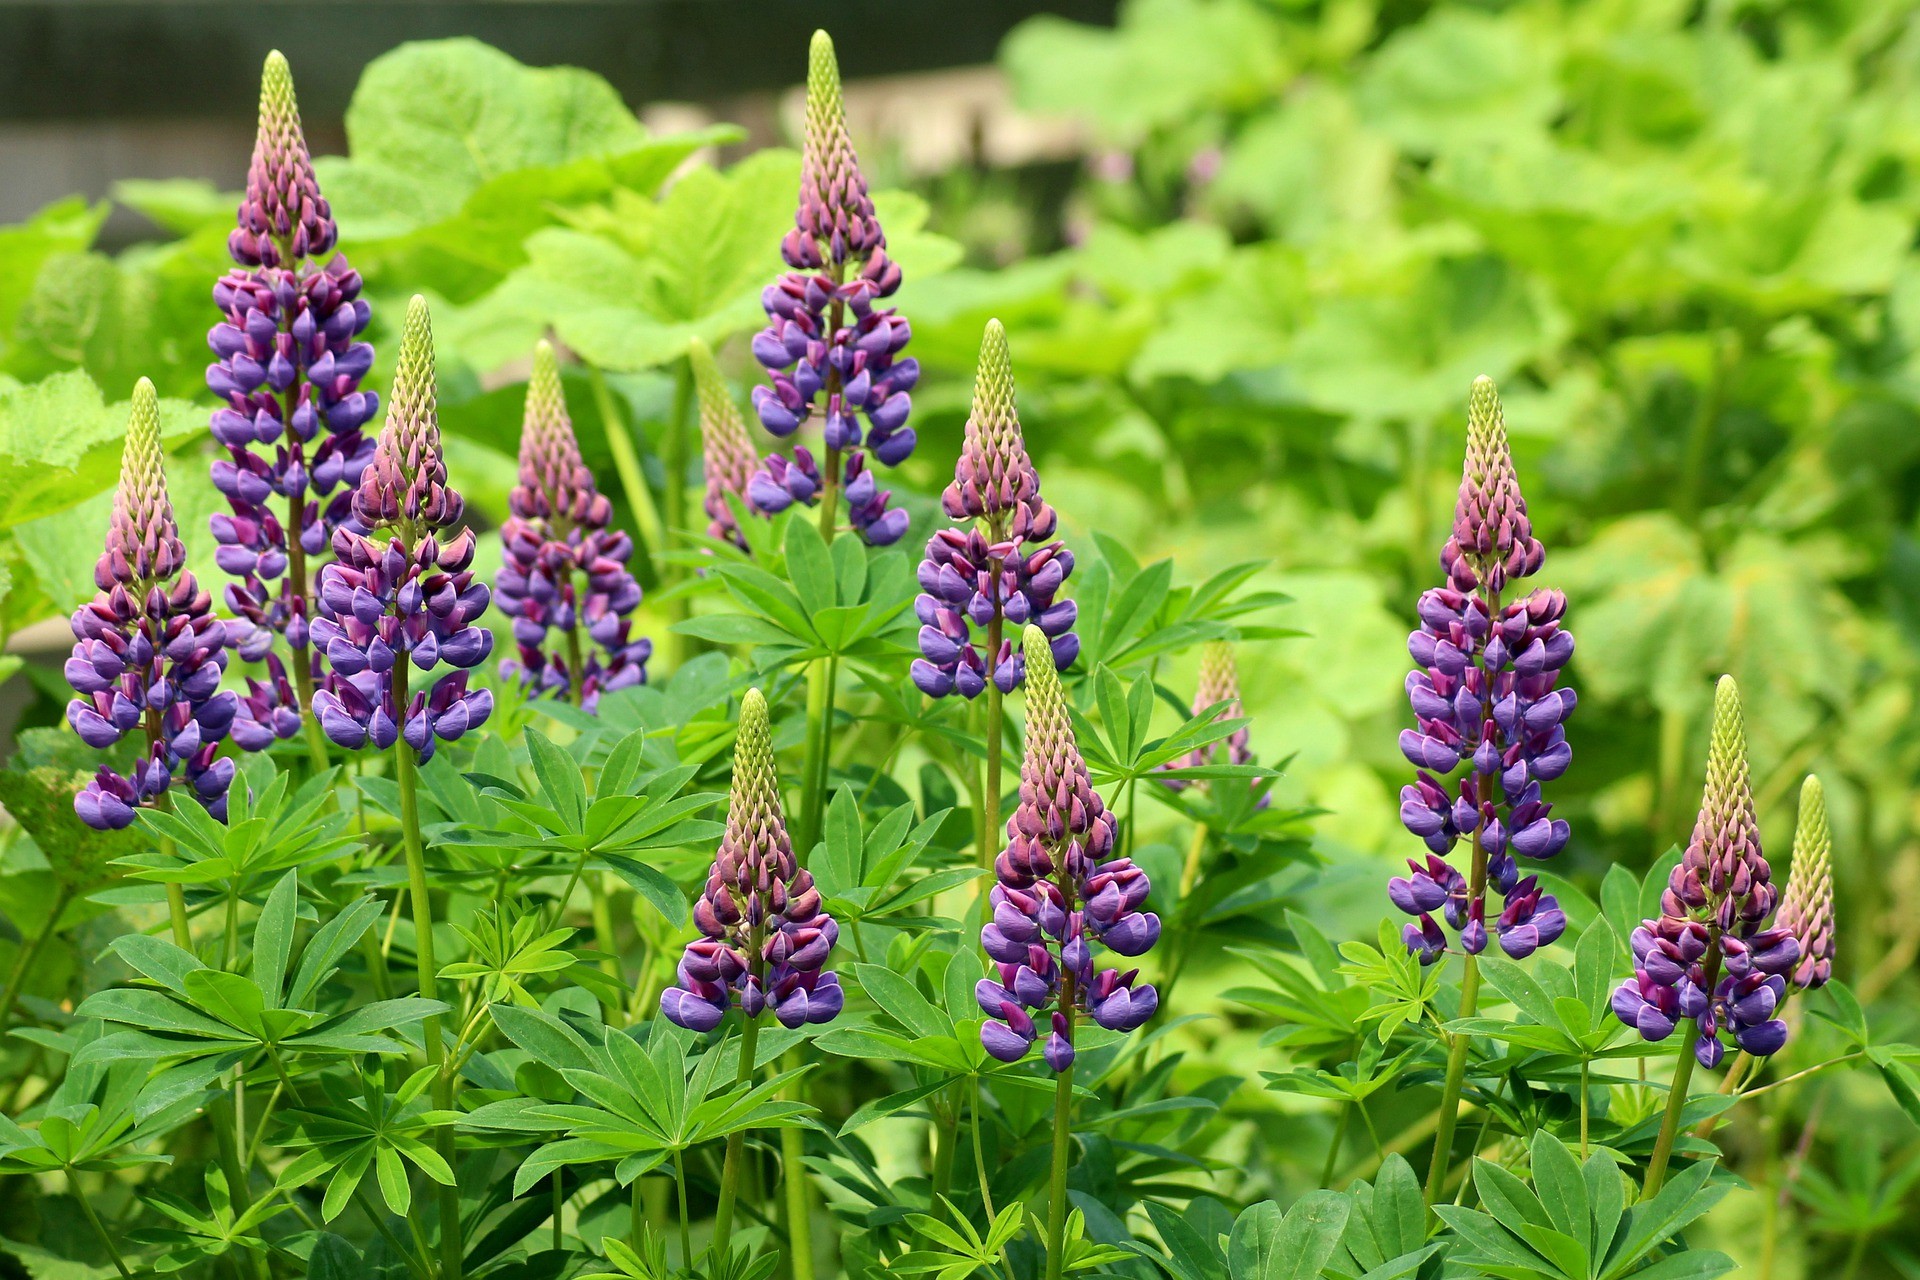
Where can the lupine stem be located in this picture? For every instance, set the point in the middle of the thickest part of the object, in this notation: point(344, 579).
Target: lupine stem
point(1677, 1094)
point(945, 1135)
point(1339, 1139)
point(24, 964)
point(990, 792)
point(1456, 1068)
point(451, 1252)
point(1585, 1071)
point(799, 1207)
point(1062, 1140)
point(736, 1147)
point(686, 1229)
point(99, 1227)
point(676, 514)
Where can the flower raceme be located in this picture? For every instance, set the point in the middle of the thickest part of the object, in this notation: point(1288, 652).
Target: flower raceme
point(564, 570)
point(1806, 908)
point(824, 335)
point(1711, 955)
point(1484, 695)
point(1059, 891)
point(999, 567)
point(148, 652)
point(726, 453)
point(1218, 686)
point(288, 370)
point(394, 592)
point(764, 938)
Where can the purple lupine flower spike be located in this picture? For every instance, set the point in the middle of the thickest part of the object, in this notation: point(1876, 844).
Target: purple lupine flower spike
point(726, 452)
point(564, 570)
point(1484, 695)
point(826, 343)
point(1806, 908)
point(1060, 890)
point(148, 652)
point(764, 938)
point(395, 592)
point(998, 567)
point(288, 365)
point(1711, 955)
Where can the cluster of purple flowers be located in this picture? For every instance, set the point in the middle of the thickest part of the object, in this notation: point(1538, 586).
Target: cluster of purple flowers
point(1484, 694)
point(395, 594)
point(1059, 890)
point(148, 652)
point(764, 937)
point(557, 539)
point(1711, 955)
point(999, 568)
point(289, 364)
point(826, 337)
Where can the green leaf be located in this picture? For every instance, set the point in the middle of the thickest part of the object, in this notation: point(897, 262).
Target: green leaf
point(1562, 1189)
point(653, 885)
point(273, 938)
point(560, 782)
point(810, 567)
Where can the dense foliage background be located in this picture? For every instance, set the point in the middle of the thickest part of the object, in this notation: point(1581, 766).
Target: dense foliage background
point(1682, 237)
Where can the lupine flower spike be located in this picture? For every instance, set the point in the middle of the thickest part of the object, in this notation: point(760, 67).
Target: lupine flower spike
point(288, 369)
point(148, 652)
point(1219, 686)
point(564, 570)
point(1483, 694)
point(726, 451)
point(825, 340)
point(1806, 909)
point(999, 567)
point(394, 592)
point(764, 937)
point(1059, 891)
point(1711, 955)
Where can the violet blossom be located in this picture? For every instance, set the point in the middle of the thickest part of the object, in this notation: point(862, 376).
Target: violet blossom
point(1059, 891)
point(998, 567)
point(148, 653)
point(1484, 695)
point(764, 937)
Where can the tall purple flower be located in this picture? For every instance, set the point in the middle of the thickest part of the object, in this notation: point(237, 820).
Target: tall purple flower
point(825, 339)
point(1483, 695)
point(763, 935)
point(148, 652)
point(288, 366)
point(1059, 891)
point(726, 453)
point(564, 570)
point(394, 593)
point(999, 567)
point(1806, 908)
point(1710, 955)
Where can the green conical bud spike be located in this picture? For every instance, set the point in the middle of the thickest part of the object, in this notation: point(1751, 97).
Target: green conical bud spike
point(826, 109)
point(546, 402)
point(407, 480)
point(1219, 677)
point(1723, 859)
point(756, 834)
point(554, 483)
point(1729, 786)
point(280, 131)
point(726, 450)
point(1049, 727)
point(994, 475)
point(1492, 538)
point(143, 542)
point(1806, 909)
point(414, 415)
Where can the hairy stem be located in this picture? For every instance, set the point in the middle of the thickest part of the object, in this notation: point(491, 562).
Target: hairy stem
point(736, 1146)
point(1057, 1182)
point(99, 1227)
point(1677, 1094)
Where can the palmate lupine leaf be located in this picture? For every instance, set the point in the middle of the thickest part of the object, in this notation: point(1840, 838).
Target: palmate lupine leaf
point(637, 1105)
point(268, 832)
point(202, 1234)
point(189, 1012)
point(100, 1117)
point(363, 1127)
point(861, 874)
